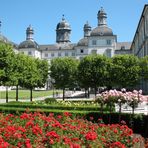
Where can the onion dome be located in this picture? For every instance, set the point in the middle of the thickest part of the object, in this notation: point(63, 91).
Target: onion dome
point(63, 25)
point(29, 43)
point(102, 29)
point(63, 31)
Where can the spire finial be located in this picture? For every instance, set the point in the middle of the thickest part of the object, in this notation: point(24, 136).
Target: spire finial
point(63, 17)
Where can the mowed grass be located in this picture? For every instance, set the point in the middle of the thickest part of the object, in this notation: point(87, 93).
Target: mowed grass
point(25, 94)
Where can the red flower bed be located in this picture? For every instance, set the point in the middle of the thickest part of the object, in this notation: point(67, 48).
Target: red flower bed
point(35, 130)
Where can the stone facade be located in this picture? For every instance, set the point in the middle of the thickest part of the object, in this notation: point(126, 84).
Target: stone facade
point(99, 40)
point(139, 45)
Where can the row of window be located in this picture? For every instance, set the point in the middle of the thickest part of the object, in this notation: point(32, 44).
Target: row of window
point(46, 55)
point(94, 42)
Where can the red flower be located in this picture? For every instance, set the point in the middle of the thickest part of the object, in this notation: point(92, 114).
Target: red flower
point(28, 144)
point(117, 145)
point(91, 136)
point(74, 145)
point(52, 134)
point(67, 114)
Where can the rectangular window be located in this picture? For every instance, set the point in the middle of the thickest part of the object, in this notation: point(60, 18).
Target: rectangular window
point(73, 54)
point(108, 42)
point(52, 54)
point(59, 54)
point(66, 53)
point(94, 51)
point(108, 53)
point(29, 53)
point(94, 42)
point(46, 55)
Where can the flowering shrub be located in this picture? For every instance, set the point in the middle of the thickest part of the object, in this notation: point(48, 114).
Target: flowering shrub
point(35, 130)
point(121, 97)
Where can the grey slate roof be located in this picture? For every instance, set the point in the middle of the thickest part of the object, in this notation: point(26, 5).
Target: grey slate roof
point(5, 40)
point(28, 44)
point(123, 45)
point(83, 42)
point(62, 46)
point(102, 31)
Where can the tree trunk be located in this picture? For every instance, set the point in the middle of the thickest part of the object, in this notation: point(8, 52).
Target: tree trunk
point(63, 94)
point(88, 93)
point(102, 110)
point(119, 112)
point(6, 94)
point(31, 94)
point(95, 91)
point(85, 93)
point(110, 109)
point(17, 93)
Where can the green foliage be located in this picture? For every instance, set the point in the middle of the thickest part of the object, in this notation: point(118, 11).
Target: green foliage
point(50, 100)
point(125, 71)
point(144, 67)
point(43, 68)
point(6, 64)
point(93, 71)
point(63, 72)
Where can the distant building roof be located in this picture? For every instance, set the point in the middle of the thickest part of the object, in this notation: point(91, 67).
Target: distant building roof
point(61, 46)
point(83, 42)
point(28, 44)
point(101, 31)
point(123, 45)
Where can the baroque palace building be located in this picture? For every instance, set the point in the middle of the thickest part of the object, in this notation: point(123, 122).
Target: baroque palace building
point(99, 40)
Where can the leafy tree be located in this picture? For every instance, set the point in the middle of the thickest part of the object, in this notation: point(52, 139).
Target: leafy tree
point(144, 67)
point(93, 71)
point(30, 75)
point(6, 66)
point(19, 69)
point(125, 71)
point(144, 72)
point(43, 70)
point(63, 72)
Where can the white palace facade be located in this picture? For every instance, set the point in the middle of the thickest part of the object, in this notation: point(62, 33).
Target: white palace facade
point(99, 40)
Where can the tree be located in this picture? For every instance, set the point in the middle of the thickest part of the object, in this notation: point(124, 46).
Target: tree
point(19, 69)
point(30, 75)
point(6, 66)
point(63, 72)
point(43, 70)
point(125, 71)
point(93, 71)
point(144, 72)
point(144, 67)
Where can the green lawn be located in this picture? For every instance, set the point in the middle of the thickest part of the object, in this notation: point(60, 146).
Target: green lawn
point(25, 94)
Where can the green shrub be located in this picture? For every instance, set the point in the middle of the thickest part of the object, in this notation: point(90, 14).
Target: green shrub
point(50, 100)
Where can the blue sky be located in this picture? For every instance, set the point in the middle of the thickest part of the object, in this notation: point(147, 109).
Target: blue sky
point(43, 15)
